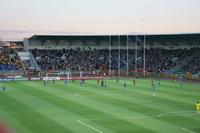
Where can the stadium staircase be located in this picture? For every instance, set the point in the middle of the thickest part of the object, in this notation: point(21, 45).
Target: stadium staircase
point(33, 61)
point(28, 60)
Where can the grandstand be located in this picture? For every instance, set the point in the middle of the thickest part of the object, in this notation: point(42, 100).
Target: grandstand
point(163, 56)
point(128, 55)
point(9, 60)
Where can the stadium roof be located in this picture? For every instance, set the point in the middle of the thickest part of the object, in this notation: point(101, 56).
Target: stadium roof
point(68, 37)
point(161, 38)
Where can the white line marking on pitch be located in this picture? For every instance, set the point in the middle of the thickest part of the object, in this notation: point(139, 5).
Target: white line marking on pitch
point(89, 126)
point(126, 118)
point(187, 130)
point(77, 94)
point(169, 114)
point(177, 112)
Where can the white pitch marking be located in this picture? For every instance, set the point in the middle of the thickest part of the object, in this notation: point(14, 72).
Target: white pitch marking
point(169, 114)
point(126, 118)
point(89, 126)
point(77, 94)
point(187, 130)
point(177, 112)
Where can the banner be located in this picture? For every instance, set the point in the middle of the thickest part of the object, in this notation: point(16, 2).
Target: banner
point(51, 78)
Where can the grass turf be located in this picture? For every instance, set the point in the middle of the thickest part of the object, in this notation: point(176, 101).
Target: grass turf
point(29, 107)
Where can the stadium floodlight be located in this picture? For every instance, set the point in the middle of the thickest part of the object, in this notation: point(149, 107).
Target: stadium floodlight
point(144, 65)
point(136, 55)
point(127, 47)
point(110, 55)
point(119, 41)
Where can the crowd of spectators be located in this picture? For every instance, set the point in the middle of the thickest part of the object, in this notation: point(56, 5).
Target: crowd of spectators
point(78, 59)
point(89, 60)
point(166, 59)
point(9, 59)
point(193, 65)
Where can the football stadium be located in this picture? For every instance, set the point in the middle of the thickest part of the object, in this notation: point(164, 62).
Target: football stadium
point(109, 66)
point(123, 83)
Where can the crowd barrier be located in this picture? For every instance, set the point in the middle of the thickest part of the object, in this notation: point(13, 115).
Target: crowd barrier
point(90, 77)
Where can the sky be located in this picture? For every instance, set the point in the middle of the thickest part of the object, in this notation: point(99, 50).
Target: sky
point(23, 18)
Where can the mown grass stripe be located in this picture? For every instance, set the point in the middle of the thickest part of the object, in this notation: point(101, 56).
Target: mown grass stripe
point(90, 95)
point(63, 117)
point(189, 119)
point(105, 98)
point(31, 119)
point(12, 123)
point(83, 110)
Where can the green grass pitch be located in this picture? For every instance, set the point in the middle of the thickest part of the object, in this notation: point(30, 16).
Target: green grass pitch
point(29, 107)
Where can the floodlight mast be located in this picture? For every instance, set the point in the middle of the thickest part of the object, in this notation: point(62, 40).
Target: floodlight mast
point(109, 40)
point(127, 47)
point(144, 65)
point(118, 56)
point(135, 55)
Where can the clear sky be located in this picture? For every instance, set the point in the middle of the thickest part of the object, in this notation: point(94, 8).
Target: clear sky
point(23, 18)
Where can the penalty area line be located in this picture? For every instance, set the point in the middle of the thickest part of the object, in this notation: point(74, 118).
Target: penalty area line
point(89, 126)
point(187, 130)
